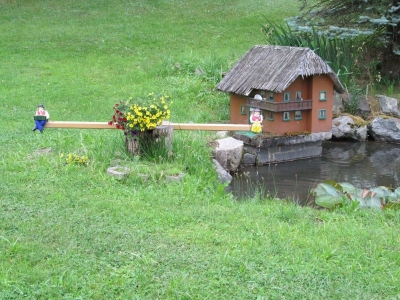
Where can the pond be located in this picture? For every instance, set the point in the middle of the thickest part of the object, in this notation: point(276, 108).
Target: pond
point(364, 164)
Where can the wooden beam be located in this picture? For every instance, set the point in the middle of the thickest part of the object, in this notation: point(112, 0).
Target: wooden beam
point(176, 126)
point(78, 125)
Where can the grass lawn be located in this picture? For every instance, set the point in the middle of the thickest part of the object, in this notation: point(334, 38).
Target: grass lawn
point(72, 232)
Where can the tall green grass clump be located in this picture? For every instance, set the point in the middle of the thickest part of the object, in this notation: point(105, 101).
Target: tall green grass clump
point(344, 55)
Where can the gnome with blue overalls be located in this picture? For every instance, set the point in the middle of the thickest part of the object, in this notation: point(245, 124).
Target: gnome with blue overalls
point(41, 117)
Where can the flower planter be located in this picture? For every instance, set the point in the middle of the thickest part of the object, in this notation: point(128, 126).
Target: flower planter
point(140, 119)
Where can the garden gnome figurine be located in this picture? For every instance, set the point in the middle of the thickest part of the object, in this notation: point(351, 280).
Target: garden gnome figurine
point(255, 119)
point(41, 117)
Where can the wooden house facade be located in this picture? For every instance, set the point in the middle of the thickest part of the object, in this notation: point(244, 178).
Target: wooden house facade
point(293, 87)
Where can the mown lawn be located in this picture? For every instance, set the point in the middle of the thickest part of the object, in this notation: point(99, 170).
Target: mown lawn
point(73, 232)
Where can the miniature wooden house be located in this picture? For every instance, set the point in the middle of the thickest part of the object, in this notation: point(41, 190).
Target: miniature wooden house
point(293, 87)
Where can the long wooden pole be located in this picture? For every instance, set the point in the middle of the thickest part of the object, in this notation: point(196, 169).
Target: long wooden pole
point(176, 126)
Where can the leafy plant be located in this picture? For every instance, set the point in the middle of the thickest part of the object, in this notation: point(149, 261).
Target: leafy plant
point(74, 159)
point(330, 194)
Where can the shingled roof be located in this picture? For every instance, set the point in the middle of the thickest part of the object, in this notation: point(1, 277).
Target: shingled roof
point(274, 68)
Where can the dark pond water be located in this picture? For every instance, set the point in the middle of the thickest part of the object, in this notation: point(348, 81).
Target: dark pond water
point(365, 164)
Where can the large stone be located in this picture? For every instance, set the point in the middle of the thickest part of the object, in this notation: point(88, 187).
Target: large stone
point(288, 152)
point(389, 105)
point(385, 130)
point(268, 150)
point(249, 159)
point(259, 141)
point(363, 108)
point(356, 104)
point(338, 106)
point(344, 128)
point(228, 153)
point(223, 175)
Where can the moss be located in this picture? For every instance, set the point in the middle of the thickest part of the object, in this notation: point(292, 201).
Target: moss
point(297, 133)
point(358, 121)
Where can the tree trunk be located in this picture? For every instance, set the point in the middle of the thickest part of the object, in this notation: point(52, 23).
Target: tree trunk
point(158, 141)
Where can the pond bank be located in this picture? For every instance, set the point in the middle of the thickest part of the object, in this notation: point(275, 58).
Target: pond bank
point(364, 164)
point(262, 150)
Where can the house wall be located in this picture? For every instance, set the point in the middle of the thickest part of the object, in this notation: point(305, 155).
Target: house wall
point(310, 88)
point(321, 83)
point(237, 103)
point(280, 126)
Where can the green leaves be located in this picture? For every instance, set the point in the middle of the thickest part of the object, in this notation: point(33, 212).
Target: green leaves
point(330, 194)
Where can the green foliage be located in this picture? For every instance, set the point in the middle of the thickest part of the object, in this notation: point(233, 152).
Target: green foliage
point(343, 18)
point(153, 146)
point(330, 194)
point(75, 159)
point(375, 22)
point(342, 54)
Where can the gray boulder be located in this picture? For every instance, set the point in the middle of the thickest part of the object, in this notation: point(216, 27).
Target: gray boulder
point(249, 159)
point(385, 130)
point(228, 153)
point(337, 103)
point(223, 175)
point(389, 105)
point(363, 108)
point(356, 104)
point(344, 128)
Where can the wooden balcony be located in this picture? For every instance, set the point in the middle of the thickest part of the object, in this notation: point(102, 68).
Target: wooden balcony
point(280, 106)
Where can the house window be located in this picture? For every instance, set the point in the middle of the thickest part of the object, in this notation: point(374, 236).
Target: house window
point(271, 115)
point(286, 97)
point(262, 94)
point(271, 96)
point(286, 116)
point(298, 96)
point(298, 115)
point(322, 114)
point(243, 109)
point(322, 96)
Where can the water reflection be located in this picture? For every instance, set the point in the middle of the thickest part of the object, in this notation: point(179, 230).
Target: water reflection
point(366, 164)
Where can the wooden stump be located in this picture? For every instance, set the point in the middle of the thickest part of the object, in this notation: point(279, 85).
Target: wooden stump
point(150, 141)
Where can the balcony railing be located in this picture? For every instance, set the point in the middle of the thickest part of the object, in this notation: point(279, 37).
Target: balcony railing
point(280, 106)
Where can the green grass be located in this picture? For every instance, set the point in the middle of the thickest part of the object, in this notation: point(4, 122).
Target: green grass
point(73, 232)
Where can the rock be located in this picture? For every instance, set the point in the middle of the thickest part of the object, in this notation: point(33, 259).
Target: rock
point(355, 104)
point(344, 128)
point(363, 108)
point(223, 175)
point(249, 159)
point(385, 130)
point(222, 134)
point(174, 178)
point(337, 103)
point(40, 152)
point(119, 172)
point(228, 153)
point(389, 105)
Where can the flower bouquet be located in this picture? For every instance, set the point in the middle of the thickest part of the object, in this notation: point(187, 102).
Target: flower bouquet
point(141, 114)
point(138, 118)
